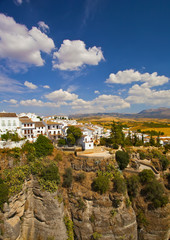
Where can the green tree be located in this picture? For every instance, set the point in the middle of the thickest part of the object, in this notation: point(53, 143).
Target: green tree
point(122, 159)
point(43, 146)
point(146, 176)
point(133, 185)
point(3, 193)
point(117, 135)
point(51, 173)
point(71, 139)
point(61, 142)
point(74, 132)
point(101, 184)
point(119, 184)
point(164, 162)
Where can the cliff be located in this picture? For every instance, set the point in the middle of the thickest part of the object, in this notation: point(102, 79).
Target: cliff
point(35, 214)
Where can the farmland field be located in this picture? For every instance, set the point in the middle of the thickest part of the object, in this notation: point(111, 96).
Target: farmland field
point(144, 124)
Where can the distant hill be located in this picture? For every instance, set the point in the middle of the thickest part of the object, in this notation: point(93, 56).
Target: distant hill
point(149, 113)
point(155, 113)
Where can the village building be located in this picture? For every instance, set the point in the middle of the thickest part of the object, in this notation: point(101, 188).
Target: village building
point(8, 122)
point(28, 129)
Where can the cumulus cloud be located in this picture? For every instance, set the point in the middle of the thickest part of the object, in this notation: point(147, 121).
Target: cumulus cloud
point(46, 86)
point(142, 94)
point(96, 92)
point(73, 55)
point(60, 95)
point(129, 76)
point(103, 103)
point(42, 26)
point(39, 103)
point(30, 85)
point(12, 101)
point(19, 44)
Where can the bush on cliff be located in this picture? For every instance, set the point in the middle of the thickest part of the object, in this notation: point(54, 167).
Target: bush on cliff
point(101, 184)
point(67, 178)
point(122, 159)
point(3, 193)
point(43, 146)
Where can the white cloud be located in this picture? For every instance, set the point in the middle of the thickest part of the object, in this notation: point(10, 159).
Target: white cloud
point(46, 86)
point(103, 103)
point(73, 55)
point(143, 94)
point(129, 76)
point(30, 85)
point(12, 101)
point(42, 26)
point(39, 103)
point(10, 85)
point(60, 95)
point(72, 88)
point(96, 92)
point(21, 45)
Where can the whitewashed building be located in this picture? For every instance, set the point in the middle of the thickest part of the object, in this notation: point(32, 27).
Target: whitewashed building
point(86, 142)
point(8, 122)
point(28, 129)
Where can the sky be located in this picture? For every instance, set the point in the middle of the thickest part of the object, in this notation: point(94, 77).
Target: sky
point(84, 56)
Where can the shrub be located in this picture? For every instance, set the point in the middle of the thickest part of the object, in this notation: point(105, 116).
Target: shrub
point(43, 146)
point(61, 142)
point(51, 173)
point(3, 193)
point(67, 178)
point(69, 227)
point(80, 177)
point(122, 159)
point(58, 157)
point(146, 176)
point(96, 236)
point(164, 162)
point(133, 185)
point(81, 204)
point(141, 219)
point(154, 192)
point(142, 155)
point(119, 184)
point(101, 184)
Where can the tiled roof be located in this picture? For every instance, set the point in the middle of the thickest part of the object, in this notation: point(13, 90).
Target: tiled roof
point(39, 124)
point(8, 115)
point(25, 120)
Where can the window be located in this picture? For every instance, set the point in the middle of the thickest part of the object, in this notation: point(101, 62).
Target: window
point(48, 127)
point(24, 125)
point(9, 123)
point(14, 123)
point(54, 132)
point(3, 123)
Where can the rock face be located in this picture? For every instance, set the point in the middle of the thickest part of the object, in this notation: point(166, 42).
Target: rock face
point(98, 215)
point(34, 215)
point(158, 225)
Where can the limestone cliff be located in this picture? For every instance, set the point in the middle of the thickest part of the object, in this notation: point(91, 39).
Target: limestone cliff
point(33, 215)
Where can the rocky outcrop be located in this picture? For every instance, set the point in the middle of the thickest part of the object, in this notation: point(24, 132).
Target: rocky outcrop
point(158, 225)
point(34, 215)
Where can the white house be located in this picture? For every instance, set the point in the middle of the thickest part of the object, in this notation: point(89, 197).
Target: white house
point(53, 130)
point(39, 129)
point(8, 122)
point(28, 129)
point(86, 142)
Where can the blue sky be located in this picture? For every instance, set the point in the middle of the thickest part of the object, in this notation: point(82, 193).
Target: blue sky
point(84, 56)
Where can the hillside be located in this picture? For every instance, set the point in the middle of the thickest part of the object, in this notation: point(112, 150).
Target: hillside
point(159, 113)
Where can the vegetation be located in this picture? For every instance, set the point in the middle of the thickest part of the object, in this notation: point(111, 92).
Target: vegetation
point(10, 136)
point(43, 146)
point(96, 236)
point(3, 193)
point(80, 177)
point(101, 183)
point(146, 176)
point(122, 159)
point(119, 184)
point(69, 227)
point(67, 178)
point(73, 134)
point(117, 135)
point(133, 186)
point(61, 142)
point(155, 192)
